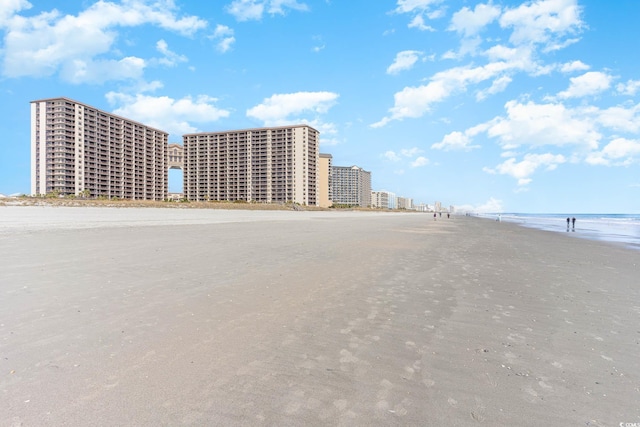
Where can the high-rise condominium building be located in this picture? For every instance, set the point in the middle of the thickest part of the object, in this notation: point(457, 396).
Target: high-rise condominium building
point(265, 165)
point(351, 186)
point(77, 149)
point(325, 190)
point(405, 203)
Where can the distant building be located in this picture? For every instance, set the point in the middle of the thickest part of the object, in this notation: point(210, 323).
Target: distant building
point(351, 186)
point(325, 190)
point(80, 150)
point(383, 199)
point(175, 154)
point(437, 207)
point(380, 199)
point(264, 165)
point(405, 203)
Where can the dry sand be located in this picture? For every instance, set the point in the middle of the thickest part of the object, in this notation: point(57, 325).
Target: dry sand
point(149, 317)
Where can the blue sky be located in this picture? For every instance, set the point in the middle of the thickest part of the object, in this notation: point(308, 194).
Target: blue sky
point(514, 106)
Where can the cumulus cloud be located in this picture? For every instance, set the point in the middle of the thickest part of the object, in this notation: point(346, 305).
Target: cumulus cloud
point(413, 102)
point(419, 162)
point(456, 140)
point(591, 83)
point(523, 169)
point(392, 156)
point(537, 125)
point(413, 6)
point(170, 58)
point(43, 44)
point(631, 87)
point(570, 67)
point(537, 25)
point(619, 152)
point(8, 8)
point(543, 22)
point(408, 154)
point(254, 10)
point(283, 109)
point(223, 37)
point(418, 22)
point(499, 85)
point(419, 9)
point(470, 22)
point(405, 60)
point(619, 118)
point(171, 115)
point(99, 71)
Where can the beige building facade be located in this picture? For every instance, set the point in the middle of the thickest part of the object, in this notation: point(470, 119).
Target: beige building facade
point(263, 165)
point(325, 190)
point(78, 150)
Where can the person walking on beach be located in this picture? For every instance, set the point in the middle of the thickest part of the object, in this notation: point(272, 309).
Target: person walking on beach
point(573, 223)
point(568, 220)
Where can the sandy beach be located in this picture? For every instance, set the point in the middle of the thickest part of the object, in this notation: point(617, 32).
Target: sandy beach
point(150, 317)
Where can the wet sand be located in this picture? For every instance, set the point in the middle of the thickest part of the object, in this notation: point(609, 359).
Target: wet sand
point(154, 317)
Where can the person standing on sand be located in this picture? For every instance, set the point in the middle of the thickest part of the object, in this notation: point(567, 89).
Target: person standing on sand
point(573, 223)
point(568, 220)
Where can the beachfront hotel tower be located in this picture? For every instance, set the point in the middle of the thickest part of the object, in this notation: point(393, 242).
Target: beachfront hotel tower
point(263, 165)
point(79, 150)
point(351, 186)
point(325, 190)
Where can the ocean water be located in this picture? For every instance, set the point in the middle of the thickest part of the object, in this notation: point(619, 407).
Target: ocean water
point(620, 228)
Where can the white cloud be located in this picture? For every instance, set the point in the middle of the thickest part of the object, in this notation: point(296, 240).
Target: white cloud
point(405, 60)
point(412, 6)
point(590, 83)
point(631, 87)
point(246, 10)
point(543, 22)
point(8, 8)
point(392, 156)
point(538, 125)
point(99, 71)
point(523, 170)
point(171, 115)
point(410, 152)
point(470, 22)
point(620, 118)
point(419, 9)
point(404, 152)
point(570, 67)
point(223, 35)
point(319, 44)
point(170, 58)
point(253, 10)
point(419, 162)
point(457, 141)
point(619, 152)
point(413, 102)
point(282, 109)
point(498, 85)
point(407, 153)
point(41, 45)
point(418, 22)
point(278, 6)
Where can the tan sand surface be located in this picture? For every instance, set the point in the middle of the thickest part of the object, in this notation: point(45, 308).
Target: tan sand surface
point(145, 317)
